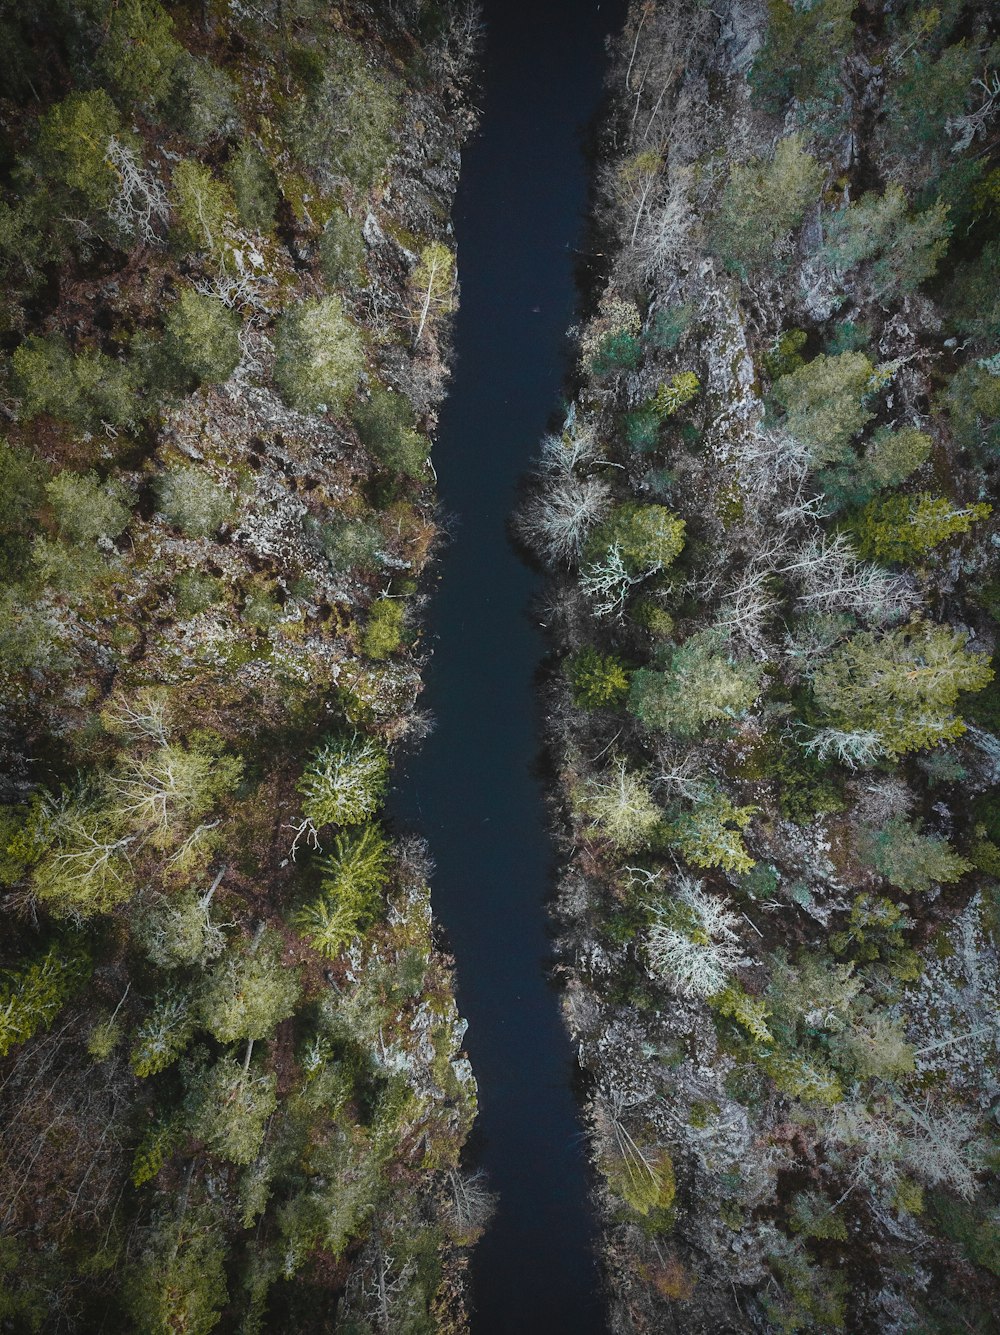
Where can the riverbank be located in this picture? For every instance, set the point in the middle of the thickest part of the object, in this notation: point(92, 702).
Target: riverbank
point(776, 834)
point(233, 1086)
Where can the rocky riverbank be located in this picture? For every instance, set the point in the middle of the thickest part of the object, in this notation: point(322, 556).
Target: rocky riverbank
point(771, 548)
point(234, 1093)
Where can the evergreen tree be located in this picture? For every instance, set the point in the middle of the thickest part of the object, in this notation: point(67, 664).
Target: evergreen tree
point(763, 202)
point(903, 685)
point(319, 356)
point(700, 686)
point(249, 991)
point(824, 403)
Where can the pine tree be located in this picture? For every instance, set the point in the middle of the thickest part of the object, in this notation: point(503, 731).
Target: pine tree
point(701, 686)
point(710, 834)
point(903, 685)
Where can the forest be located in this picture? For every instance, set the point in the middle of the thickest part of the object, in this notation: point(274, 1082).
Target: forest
point(233, 1089)
point(773, 586)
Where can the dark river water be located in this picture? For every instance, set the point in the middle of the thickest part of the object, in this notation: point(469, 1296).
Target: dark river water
point(474, 788)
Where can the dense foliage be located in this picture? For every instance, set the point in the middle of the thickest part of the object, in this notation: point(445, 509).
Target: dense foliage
point(774, 582)
point(232, 1090)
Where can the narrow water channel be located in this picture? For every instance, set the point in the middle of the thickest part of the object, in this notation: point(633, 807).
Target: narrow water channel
point(473, 790)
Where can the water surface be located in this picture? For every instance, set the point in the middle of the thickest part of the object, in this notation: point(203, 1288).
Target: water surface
point(474, 790)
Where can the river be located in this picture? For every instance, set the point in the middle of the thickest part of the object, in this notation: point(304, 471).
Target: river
point(474, 789)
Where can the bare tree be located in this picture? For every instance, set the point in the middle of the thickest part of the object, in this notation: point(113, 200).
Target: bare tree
point(140, 206)
point(856, 748)
point(563, 506)
point(834, 578)
point(470, 1204)
point(607, 583)
point(694, 943)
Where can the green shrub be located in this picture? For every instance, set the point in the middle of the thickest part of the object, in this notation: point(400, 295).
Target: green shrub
point(876, 930)
point(194, 592)
point(848, 336)
point(254, 187)
point(763, 202)
point(85, 389)
point(802, 51)
point(351, 544)
point(653, 618)
point(805, 787)
point(973, 402)
point(193, 502)
point(893, 456)
point(642, 425)
point(750, 1013)
point(976, 1232)
point(801, 1077)
point(140, 55)
point(811, 1297)
point(84, 508)
point(344, 782)
point(341, 250)
point(387, 427)
point(910, 860)
point(682, 388)
point(785, 354)
point(203, 99)
point(319, 356)
point(642, 429)
point(22, 490)
point(598, 681)
point(202, 337)
point(204, 208)
point(383, 635)
point(669, 327)
point(33, 995)
point(701, 685)
point(974, 295)
point(648, 537)
point(31, 638)
point(342, 127)
point(902, 686)
point(617, 351)
point(249, 992)
point(70, 153)
point(710, 834)
point(825, 403)
point(930, 91)
point(902, 248)
point(905, 529)
point(25, 244)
